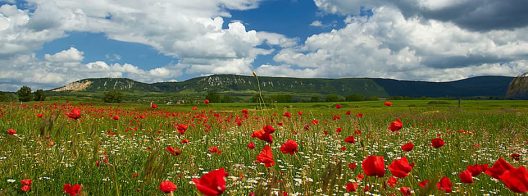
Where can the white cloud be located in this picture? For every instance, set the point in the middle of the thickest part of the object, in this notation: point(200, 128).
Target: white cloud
point(475, 15)
point(286, 71)
point(316, 23)
point(191, 31)
point(15, 37)
point(66, 66)
point(70, 55)
point(390, 45)
point(275, 39)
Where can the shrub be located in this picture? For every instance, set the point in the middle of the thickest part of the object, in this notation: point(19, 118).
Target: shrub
point(113, 97)
point(39, 95)
point(24, 94)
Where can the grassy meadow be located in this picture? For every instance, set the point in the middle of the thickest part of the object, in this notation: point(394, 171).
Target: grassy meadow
point(127, 154)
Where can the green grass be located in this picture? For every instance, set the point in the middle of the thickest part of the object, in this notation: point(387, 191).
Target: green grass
point(494, 129)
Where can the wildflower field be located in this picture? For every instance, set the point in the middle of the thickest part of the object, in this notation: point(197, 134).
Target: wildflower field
point(417, 147)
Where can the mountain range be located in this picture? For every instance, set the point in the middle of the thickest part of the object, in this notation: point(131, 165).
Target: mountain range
point(489, 86)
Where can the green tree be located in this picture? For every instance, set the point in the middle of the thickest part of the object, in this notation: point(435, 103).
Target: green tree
point(314, 99)
point(24, 94)
point(39, 95)
point(213, 97)
point(332, 98)
point(7, 97)
point(113, 97)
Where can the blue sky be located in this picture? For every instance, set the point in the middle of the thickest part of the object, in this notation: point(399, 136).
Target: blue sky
point(288, 17)
point(46, 44)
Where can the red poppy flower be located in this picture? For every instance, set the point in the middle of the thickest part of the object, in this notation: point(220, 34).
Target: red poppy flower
point(351, 186)
point(315, 122)
point(26, 185)
point(357, 132)
point(206, 101)
point(72, 190)
point(366, 188)
point(499, 167)
point(515, 156)
point(245, 111)
point(400, 167)
point(423, 183)
point(445, 185)
point(405, 191)
point(348, 113)
point(26, 182)
point(466, 177)
point(251, 145)
point(184, 141)
point(360, 177)
point(395, 125)
point(39, 115)
point(359, 115)
point(11, 131)
point(437, 142)
point(167, 186)
point(350, 139)
point(516, 179)
point(392, 181)
point(300, 113)
point(338, 106)
point(343, 148)
point(212, 183)
point(477, 169)
point(352, 166)
point(266, 156)
point(262, 135)
point(173, 151)
point(25, 188)
point(374, 166)
point(116, 117)
point(287, 114)
point(338, 130)
point(268, 129)
point(289, 147)
point(215, 150)
point(75, 113)
point(153, 105)
point(182, 128)
point(407, 147)
point(387, 103)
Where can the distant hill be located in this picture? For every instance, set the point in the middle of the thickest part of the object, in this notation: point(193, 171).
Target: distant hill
point(477, 86)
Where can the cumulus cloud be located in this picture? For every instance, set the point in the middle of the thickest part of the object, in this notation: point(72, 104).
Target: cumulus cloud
point(15, 37)
point(193, 32)
point(70, 55)
point(476, 15)
point(66, 66)
point(391, 45)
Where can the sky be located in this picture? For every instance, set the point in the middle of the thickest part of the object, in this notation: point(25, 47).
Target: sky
point(49, 43)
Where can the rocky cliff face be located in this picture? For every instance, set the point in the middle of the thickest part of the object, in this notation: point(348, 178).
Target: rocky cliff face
point(518, 88)
point(75, 86)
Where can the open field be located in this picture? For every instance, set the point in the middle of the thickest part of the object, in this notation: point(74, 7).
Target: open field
point(122, 149)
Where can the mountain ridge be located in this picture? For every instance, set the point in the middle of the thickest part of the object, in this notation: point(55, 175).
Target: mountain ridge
point(469, 87)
